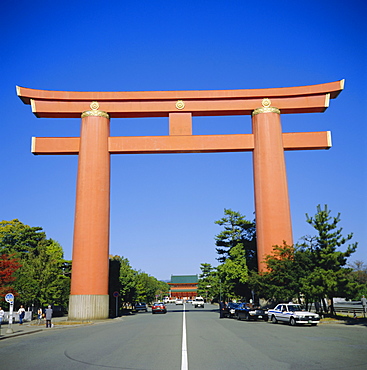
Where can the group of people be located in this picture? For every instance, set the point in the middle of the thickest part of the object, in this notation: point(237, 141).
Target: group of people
point(47, 315)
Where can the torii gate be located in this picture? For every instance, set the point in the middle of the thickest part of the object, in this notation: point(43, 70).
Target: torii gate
point(89, 284)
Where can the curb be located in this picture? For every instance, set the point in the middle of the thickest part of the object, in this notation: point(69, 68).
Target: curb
point(19, 334)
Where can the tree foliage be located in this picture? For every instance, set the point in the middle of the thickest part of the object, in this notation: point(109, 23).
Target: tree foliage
point(149, 289)
point(133, 285)
point(359, 275)
point(280, 280)
point(233, 273)
point(44, 275)
point(228, 280)
point(8, 266)
point(209, 282)
point(314, 269)
point(236, 247)
point(237, 230)
point(327, 262)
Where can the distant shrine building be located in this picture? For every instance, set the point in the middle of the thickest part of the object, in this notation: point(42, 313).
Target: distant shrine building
point(183, 286)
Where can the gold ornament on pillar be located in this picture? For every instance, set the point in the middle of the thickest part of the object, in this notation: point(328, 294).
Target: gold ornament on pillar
point(266, 108)
point(94, 112)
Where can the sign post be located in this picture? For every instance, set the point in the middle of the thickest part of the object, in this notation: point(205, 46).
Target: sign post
point(116, 295)
point(10, 299)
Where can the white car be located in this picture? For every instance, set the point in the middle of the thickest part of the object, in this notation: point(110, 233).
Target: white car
point(179, 301)
point(198, 302)
point(292, 314)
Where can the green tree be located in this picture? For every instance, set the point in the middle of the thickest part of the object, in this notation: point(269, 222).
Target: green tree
point(148, 288)
point(133, 286)
point(209, 282)
point(233, 273)
point(18, 238)
point(284, 269)
point(329, 278)
point(359, 274)
point(236, 230)
point(44, 277)
point(127, 281)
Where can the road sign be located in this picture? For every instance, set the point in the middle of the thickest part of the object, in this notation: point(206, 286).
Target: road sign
point(116, 294)
point(9, 298)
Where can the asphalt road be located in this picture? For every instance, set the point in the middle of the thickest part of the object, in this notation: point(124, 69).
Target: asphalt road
point(144, 341)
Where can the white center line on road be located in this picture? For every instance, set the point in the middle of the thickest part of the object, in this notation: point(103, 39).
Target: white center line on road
point(184, 363)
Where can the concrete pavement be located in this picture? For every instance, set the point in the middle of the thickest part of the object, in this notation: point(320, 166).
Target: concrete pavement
point(62, 323)
point(33, 327)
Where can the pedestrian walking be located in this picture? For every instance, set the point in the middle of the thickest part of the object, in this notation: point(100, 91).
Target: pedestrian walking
point(2, 314)
point(48, 314)
point(21, 313)
point(39, 316)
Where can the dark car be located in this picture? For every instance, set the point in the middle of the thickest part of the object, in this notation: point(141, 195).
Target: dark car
point(159, 307)
point(140, 306)
point(231, 309)
point(247, 311)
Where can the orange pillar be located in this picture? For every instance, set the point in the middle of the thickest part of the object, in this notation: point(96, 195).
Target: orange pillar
point(89, 278)
point(273, 218)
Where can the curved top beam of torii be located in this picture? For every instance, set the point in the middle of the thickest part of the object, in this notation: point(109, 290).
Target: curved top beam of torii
point(123, 104)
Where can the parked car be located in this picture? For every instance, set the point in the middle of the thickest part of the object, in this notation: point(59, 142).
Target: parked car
point(179, 301)
point(292, 314)
point(140, 306)
point(159, 307)
point(231, 309)
point(247, 311)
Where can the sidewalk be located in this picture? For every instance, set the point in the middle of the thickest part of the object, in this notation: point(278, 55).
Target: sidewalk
point(32, 327)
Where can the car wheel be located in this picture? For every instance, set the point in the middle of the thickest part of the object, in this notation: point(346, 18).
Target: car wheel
point(238, 317)
point(274, 320)
point(266, 318)
point(247, 317)
point(292, 321)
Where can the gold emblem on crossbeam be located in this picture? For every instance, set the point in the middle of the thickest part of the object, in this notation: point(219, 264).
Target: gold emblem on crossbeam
point(94, 112)
point(266, 108)
point(180, 104)
point(266, 103)
point(94, 105)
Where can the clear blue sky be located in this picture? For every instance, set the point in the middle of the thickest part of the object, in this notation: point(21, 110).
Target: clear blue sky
point(163, 207)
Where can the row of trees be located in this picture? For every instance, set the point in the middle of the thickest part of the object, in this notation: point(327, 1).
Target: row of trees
point(33, 268)
point(36, 272)
point(133, 285)
point(312, 270)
